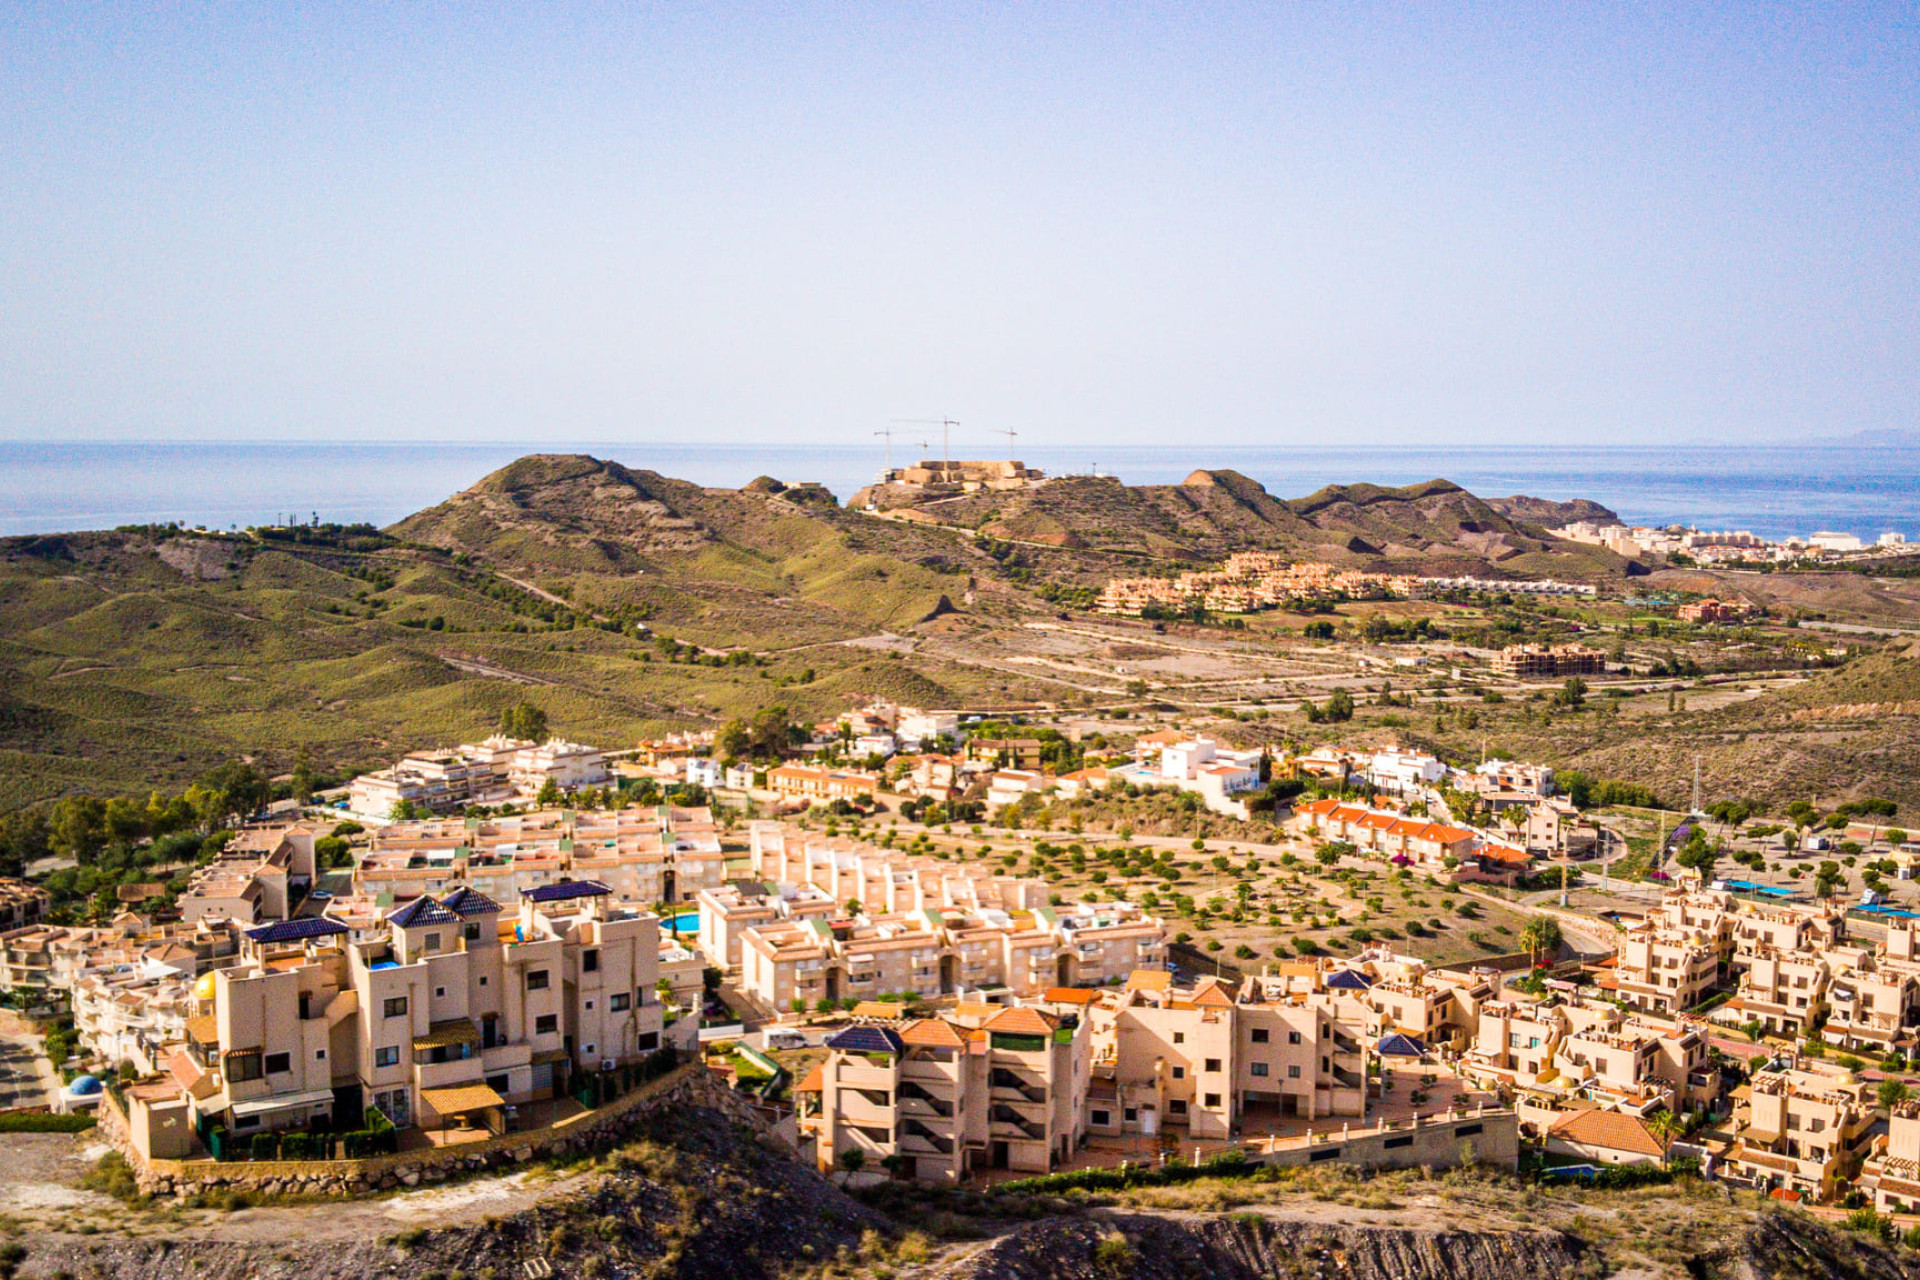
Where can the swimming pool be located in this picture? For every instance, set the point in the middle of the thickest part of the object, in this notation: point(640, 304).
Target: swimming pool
point(686, 923)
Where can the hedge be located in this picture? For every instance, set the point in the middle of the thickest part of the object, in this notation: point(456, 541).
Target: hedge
point(1227, 1164)
point(45, 1122)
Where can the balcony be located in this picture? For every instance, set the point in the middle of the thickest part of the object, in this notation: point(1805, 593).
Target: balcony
point(1012, 1087)
point(862, 1075)
point(915, 1138)
point(1005, 1122)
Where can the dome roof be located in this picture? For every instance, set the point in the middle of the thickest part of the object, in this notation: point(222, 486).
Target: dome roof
point(84, 1085)
point(203, 988)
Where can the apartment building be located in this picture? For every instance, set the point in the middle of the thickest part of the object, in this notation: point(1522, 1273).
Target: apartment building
point(459, 1011)
point(1005, 753)
point(22, 903)
point(1211, 1058)
point(261, 874)
point(861, 955)
point(1385, 833)
point(1558, 1053)
point(1784, 991)
point(488, 772)
point(1532, 661)
point(728, 911)
point(1871, 1001)
point(988, 1088)
point(1666, 969)
point(1891, 1173)
point(644, 854)
point(1803, 1131)
point(822, 785)
point(1404, 772)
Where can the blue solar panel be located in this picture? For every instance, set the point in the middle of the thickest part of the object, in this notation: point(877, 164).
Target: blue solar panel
point(566, 889)
point(296, 930)
point(469, 902)
point(422, 911)
point(867, 1040)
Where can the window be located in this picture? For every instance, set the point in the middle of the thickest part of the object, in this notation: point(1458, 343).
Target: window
point(243, 1066)
point(483, 979)
point(589, 962)
point(1132, 1114)
point(471, 932)
point(589, 1006)
point(498, 1083)
point(546, 1024)
point(319, 1055)
point(1176, 1106)
point(395, 1007)
point(1293, 1071)
point(1260, 1035)
point(1179, 1037)
point(246, 1122)
point(387, 1056)
point(1260, 1068)
point(439, 993)
point(650, 1041)
point(431, 943)
point(279, 1063)
point(1179, 1073)
point(1213, 1100)
point(587, 1050)
point(537, 980)
point(1213, 1064)
point(1101, 1118)
point(1293, 1037)
point(619, 1002)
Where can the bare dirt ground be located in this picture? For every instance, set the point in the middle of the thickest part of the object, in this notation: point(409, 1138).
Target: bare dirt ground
point(40, 1193)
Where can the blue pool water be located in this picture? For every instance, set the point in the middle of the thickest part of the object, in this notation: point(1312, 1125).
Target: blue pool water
point(688, 923)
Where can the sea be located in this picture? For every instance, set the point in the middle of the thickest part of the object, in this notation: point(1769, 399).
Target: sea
point(1774, 491)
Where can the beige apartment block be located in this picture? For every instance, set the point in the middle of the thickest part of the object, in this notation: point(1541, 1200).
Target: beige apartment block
point(996, 1089)
point(1891, 1174)
point(1666, 970)
point(457, 1012)
point(644, 854)
point(1805, 1131)
point(1871, 1002)
point(1784, 991)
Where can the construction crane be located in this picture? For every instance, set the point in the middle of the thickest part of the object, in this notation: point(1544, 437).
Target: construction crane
point(1009, 433)
point(946, 426)
point(888, 433)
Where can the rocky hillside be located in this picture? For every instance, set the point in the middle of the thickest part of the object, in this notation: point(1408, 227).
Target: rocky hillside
point(1548, 514)
point(1259, 1244)
point(1436, 527)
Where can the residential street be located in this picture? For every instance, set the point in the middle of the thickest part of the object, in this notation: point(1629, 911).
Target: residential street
point(27, 1079)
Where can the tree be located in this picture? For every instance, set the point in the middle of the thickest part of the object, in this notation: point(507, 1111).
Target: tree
point(1892, 1093)
point(1339, 707)
point(733, 740)
point(77, 828)
point(1542, 933)
point(1573, 693)
point(549, 794)
point(524, 720)
point(1665, 1127)
point(1828, 878)
point(303, 777)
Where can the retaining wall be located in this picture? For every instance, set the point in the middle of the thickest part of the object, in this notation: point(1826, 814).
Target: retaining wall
point(688, 1085)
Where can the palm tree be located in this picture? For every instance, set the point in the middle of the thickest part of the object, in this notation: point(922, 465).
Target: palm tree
point(1665, 1127)
point(1542, 933)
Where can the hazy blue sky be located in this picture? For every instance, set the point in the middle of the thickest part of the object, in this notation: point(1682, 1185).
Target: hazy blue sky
point(1266, 224)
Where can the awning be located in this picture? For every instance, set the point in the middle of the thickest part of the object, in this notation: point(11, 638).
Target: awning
point(283, 1102)
point(451, 1032)
point(204, 1030)
point(461, 1099)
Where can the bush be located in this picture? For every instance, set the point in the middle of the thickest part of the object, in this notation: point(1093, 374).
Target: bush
point(265, 1146)
point(44, 1122)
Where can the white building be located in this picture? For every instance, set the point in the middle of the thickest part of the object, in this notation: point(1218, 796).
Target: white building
point(702, 772)
point(1403, 772)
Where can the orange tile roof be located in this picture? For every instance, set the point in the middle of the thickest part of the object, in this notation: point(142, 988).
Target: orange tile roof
point(813, 1082)
point(969, 1009)
point(934, 1033)
point(1071, 995)
point(1021, 1020)
point(1149, 980)
point(1614, 1130)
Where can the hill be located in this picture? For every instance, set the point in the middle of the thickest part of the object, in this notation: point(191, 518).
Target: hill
point(1432, 528)
point(1549, 514)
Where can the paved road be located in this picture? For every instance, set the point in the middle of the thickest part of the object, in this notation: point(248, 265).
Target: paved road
point(27, 1079)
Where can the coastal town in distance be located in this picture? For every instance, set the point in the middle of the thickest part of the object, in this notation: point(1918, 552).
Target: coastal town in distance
point(1268, 863)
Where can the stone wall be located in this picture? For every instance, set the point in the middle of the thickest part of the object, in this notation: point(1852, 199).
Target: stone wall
point(688, 1085)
